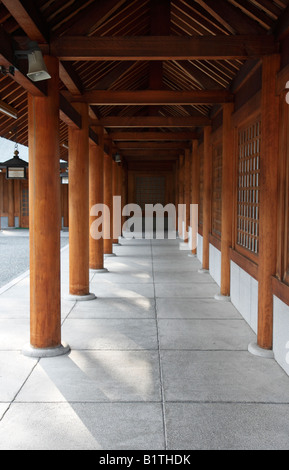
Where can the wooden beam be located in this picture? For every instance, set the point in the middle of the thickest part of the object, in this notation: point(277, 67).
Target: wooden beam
point(153, 145)
point(69, 114)
point(153, 97)
point(28, 17)
point(149, 136)
point(162, 47)
point(154, 153)
point(153, 121)
point(8, 110)
point(70, 78)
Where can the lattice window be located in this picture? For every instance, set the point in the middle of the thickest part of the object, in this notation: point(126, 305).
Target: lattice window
point(150, 190)
point(217, 191)
point(249, 139)
point(201, 187)
point(25, 202)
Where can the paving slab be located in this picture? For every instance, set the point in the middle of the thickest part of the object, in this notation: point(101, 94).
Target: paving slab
point(229, 426)
point(82, 426)
point(204, 334)
point(181, 290)
point(14, 370)
point(95, 376)
point(114, 308)
point(222, 376)
point(110, 334)
point(196, 308)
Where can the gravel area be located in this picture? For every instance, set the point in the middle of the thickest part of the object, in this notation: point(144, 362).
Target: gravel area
point(14, 250)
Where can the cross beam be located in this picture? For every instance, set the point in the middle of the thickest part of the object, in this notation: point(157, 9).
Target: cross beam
point(162, 47)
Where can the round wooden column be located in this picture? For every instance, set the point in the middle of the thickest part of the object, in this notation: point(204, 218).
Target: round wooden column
point(107, 199)
point(227, 198)
point(115, 193)
point(206, 197)
point(195, 173)
point(187, 193)
point(44, 215)
point(96, 197)
point(181, 196)
point(79, 208)
point(268, 205)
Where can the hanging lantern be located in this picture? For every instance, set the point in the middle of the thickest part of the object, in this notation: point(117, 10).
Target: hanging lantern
point(16, 168)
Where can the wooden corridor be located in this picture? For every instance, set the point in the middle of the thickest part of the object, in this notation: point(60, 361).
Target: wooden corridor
point(174, 102)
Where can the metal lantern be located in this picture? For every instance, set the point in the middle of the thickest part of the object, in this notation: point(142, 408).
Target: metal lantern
point(16, 168)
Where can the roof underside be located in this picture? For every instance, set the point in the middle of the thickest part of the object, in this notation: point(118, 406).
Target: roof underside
point(55, 19)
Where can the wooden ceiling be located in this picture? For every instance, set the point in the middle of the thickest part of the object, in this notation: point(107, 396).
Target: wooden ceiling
point(152, 71)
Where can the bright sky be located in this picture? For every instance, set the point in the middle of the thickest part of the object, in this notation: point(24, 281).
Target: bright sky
point(7, 150)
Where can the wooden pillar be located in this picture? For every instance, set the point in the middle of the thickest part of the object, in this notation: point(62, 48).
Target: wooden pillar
point(181, 195)
point(44, 214)
point(207, 196)
point(79, 207)
point(268, 200)
point(96, 157)
point(124, 192)
point(107, 198)
point(195, 178)
point(187, 192)
point(65, 189)
point(177, 193)
point(114, 193)
point(227, 199)
point(11, 204)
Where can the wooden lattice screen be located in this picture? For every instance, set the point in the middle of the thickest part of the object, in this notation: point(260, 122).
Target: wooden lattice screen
point(150, 190)
point(217, 191)
point(249, 139)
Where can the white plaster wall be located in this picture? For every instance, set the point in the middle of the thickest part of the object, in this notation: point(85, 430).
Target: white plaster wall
point(244, 295)
point(281, 333)
point(215, 264)
point(200, 248)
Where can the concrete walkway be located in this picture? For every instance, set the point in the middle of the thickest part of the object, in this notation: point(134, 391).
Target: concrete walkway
point(156, 363)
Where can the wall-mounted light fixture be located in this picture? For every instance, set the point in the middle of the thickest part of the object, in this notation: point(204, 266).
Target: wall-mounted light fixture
point(117, 158)
point(37, 69)
point(64, 177)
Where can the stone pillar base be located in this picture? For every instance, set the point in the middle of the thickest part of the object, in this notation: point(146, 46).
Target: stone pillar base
point(223, 298)
point(254, 349)
point(30, 351)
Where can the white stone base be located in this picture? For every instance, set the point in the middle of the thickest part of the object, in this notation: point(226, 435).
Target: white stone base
point(223, 298)
point(30, 351)
point(108, 255)
point(99, 271)
point(203, 271)
point(254, 349)
point(80, 298)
